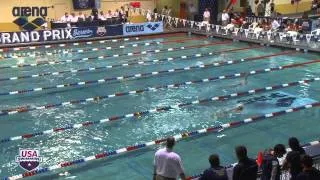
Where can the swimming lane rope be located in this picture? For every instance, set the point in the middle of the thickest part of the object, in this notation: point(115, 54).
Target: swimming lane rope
point(178, 137)
point(140, 75)
point(151, 111)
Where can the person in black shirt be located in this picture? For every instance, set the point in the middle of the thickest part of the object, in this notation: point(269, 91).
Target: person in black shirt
point(309, 173)
point(247, 168)
point(270, 164)
point(293, 159)
point(216, 172)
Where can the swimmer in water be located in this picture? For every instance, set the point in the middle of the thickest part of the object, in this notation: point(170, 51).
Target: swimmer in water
point(243, 81)
point(221, 114)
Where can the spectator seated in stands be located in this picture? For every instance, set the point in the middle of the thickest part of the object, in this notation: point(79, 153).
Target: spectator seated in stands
point(116, 14)
point(149, 15)
point(265, 25)
point(81, 17)
point(88, 18)
point(215, 172)
point(237, 20)
point(308, 173)
point(102, 16)
point(247, 168)
point(73, 18)
point(109, 15)
point(270, 165)
point(206, 16)
point(225, 18)
point(293, 158)
point(65, 18)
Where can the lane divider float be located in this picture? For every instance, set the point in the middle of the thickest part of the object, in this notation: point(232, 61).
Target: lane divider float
point(141, 75)
point(177, 137)
point(78, 43)
point(69, 51)
point(127, 64)
point(150, 111)
point(117, 55)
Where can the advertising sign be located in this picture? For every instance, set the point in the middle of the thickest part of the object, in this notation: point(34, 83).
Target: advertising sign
point(142, 28)
point(59, 34)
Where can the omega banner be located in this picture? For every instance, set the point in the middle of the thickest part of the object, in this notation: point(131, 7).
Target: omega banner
point(59, 34)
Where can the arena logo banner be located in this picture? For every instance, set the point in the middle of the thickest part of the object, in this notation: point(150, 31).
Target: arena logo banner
point(143, 28)
point(24, 14)
point(52, 35)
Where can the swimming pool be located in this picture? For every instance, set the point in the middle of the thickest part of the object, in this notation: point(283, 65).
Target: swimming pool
point(170, 84)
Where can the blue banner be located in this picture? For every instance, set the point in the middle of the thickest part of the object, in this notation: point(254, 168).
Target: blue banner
point(114, 30)
point(59, 34)
point(142, 28)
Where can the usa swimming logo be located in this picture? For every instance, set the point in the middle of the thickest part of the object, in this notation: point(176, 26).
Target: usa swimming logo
point(29, 159)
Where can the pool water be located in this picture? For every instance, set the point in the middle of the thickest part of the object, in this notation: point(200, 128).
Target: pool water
point(78, 143)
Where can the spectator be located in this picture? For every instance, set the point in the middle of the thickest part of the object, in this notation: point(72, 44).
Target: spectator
point(314, 6)
point(260, 9)
point(169, 12)
point(309, 173)
point(192, 11)
point(154, 17)
point(149, 16)
point(247, 168)
point(206, 15)
point(168, 164)
point(164, 10)
point(109, 15)
point(116, 14)
point(270, 164)
point(293, 159)
point(73, 18)
point(102, 16)
point(215, 172)
point(225, 18)
point(88, 18)
point(81, 17)
point(65, 18)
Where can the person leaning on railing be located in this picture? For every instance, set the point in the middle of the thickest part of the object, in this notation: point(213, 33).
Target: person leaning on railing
point(247, 168)
point(215, 172)
point(271, 169)
point(293, 158)
point(309, 172)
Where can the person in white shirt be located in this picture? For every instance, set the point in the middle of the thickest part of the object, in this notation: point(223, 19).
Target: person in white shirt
point(206, 15)
point(109, 15)
point(73, 18)
point(102, 16)
point(169, 12)
point(149, 16)
point(168, 164)
point(164, 10)
point(81, 17)
point(65, 18)
point(275, 25)
point(225, 18)
point(116, 13)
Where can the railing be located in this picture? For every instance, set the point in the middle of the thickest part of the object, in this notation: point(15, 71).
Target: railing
point(291, 38)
